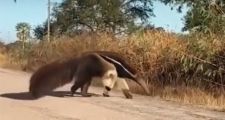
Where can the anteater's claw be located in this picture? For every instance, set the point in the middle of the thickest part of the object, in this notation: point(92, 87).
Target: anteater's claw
point(105, 95)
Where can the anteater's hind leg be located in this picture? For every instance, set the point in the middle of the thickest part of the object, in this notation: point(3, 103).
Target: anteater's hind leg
point(84, 89)
point(82, 81)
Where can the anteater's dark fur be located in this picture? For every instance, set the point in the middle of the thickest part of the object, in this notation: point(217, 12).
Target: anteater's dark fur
point(59, 73)
point(51, 76)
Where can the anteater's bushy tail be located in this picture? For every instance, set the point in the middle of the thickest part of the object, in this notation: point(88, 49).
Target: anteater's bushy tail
point(49, 77)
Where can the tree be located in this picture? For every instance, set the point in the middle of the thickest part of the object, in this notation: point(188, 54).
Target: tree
point(113, 16)
point(40, 31)
point(23, 32)
point(205, 16)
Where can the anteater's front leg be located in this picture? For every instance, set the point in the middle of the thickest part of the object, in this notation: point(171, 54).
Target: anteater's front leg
point(122, 85)
point(106, 91)
point(82, 82)
point(108, 81)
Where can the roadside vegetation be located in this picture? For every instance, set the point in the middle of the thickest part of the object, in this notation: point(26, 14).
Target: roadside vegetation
point(188, 69)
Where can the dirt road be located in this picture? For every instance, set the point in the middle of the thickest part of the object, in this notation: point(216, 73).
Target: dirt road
point(15, 104)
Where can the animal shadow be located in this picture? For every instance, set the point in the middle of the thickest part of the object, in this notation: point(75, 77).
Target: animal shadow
point(28, 96)
point(18, 96)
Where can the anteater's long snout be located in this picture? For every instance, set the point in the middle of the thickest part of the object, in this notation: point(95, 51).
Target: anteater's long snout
point(143, 84)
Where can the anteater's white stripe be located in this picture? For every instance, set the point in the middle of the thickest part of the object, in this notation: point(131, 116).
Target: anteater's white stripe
point(120, 65)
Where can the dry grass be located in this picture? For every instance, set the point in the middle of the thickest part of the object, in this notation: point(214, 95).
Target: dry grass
point(3, 59)
point(194, 96)
point(7, 62)
point(185, 95)
point(174, 68)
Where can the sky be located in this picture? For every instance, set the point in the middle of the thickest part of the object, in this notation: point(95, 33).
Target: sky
point(35, 13)
point(168, 19)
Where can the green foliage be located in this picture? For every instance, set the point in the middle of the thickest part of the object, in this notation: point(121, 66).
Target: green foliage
point(202, 16)
point(113, 16)
point(23, 32)
point(40, 32)
point(202, 64)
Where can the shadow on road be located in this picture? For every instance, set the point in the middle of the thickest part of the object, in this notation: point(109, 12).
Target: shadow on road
point(27, 95)
point(20, 96)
